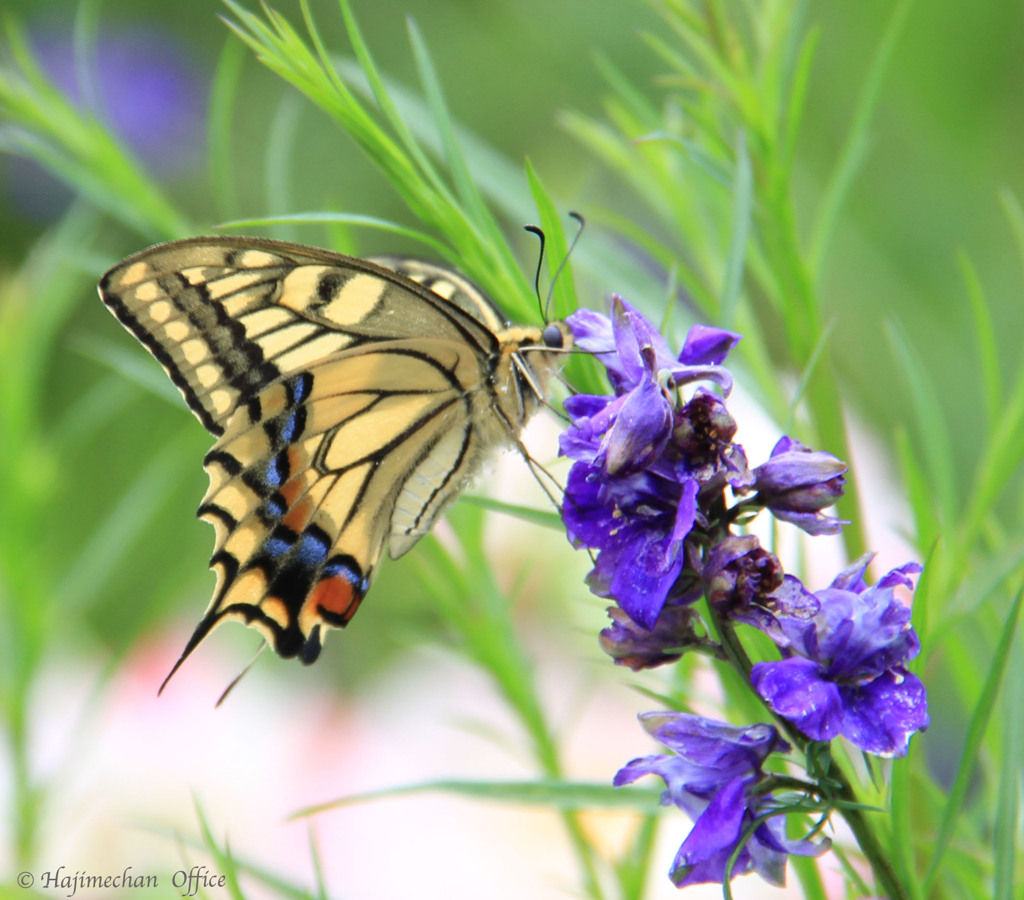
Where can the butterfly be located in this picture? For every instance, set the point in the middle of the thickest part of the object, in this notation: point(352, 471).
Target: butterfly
point(352, 400)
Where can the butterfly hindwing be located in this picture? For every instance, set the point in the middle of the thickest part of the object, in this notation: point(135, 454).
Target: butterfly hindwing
point(352, 401)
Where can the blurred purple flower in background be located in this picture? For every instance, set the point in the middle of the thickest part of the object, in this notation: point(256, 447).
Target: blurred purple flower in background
point(141, 82)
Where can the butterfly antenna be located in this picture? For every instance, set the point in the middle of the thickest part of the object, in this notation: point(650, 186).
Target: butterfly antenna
point(240, 675)
point(580, 224)
point(533, 229)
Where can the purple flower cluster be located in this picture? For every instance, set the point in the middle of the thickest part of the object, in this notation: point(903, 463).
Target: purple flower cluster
point(642, 458)
point(654, 469)
point(714, 775)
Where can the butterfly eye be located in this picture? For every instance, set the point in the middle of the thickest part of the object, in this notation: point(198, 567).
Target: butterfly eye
point(553, 337)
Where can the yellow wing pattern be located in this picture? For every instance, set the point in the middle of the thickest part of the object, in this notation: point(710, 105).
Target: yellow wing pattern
point(351, 402)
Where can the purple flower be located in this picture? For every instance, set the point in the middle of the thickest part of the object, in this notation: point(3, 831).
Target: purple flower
point(639, 648)
point(618, 343)
point(714, 775)
point(142, 82)
point(740, 576)
point(642, 456)
point(797, 483)
point(147, 86)
point(638, 524)
point(845, 668)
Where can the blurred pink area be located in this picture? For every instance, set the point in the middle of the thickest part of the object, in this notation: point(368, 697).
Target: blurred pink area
point(130, 766)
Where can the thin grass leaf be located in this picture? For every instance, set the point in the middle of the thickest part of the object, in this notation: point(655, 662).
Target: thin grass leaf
point(223, 93)
point(930, 423)
point(130, 364)
point(739, 230)
point(277, 885)
point(1015, 216)
point(632, 868)
point(83, 39)
point(976, 588)
point(915, 481)
point(114, 537)
point(984, 708)
point(855, 146)
point(224, 863)
point(1003, 453)
point(902, 845)
point(560, 795)
point(89, 415)
point(811, 882)
point(797, 103)
point(383, 97)
point(322, 218)
point(318, 866)
point(985, 336)
point(543, 517)
point(1005, 852)
point(282, 50)
point(278, 163)
point(806, 376)
point(477, 213)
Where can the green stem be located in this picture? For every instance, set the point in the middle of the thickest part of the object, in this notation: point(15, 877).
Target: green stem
point(867, 840)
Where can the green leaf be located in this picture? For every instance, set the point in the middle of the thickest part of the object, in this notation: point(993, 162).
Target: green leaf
point(856, 143)
point(984, 708)
point(930, 423)
point(545, 518)
point(322, 218)
point(223, 93)
point(560, 795)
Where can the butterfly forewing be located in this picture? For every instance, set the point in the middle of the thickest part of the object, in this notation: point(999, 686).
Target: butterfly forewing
point(351, 401)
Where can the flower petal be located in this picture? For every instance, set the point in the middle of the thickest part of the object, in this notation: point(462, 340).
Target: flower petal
point(706, 345)
point(879, 717)
point(795, 690)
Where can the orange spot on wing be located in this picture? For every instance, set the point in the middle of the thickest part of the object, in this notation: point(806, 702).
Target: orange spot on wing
point(335, 598)
point(298, 516)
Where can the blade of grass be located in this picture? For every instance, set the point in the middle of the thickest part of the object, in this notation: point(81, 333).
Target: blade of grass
point(546, 518)
point(321, 218)
point(739, 231)
point(983, 711)
point(561, 795)
point(855, 145)
point(114, 537)
point(477, 213)
point(223, 93)
point(930, 423)
point(1005, 852)
point(278, 164)
point(985, 336)
point(223, 862)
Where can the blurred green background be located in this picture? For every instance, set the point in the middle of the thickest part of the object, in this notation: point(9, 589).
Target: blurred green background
point(945, 141)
